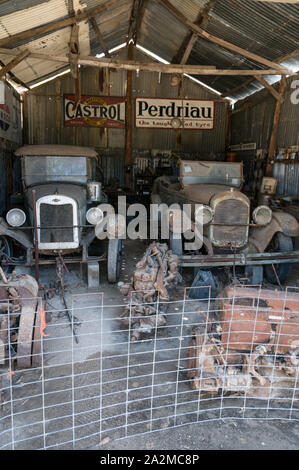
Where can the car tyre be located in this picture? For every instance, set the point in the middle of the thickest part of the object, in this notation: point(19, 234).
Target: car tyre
point(114, 260)
point(279, 243)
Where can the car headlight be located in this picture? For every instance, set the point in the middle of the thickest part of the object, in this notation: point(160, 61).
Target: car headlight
point(204, 215)
point(94, 215)
point(16, 217)
point(262, 215)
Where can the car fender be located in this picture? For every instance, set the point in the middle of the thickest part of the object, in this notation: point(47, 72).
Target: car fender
point(19, 235)
point(283, 222)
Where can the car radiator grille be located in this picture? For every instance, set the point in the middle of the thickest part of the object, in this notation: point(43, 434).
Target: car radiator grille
point(230, 212)
point(56, 216)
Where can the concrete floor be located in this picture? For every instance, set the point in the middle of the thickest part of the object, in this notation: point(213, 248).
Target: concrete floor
point(60, 352)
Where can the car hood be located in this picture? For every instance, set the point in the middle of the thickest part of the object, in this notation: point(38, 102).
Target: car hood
point(76, 192)
point(197, 193)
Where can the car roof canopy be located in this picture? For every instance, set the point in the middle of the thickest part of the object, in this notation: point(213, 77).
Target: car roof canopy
point(56, 150)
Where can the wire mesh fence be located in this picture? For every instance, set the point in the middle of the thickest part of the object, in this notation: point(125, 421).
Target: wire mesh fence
point(100, 370)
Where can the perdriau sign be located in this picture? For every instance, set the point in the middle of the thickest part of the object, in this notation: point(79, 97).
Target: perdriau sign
point(95, 111)
point(161, 113)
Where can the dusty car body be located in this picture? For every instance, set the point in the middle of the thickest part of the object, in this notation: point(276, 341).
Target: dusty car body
point(58, 192)
point(250, 345)
point(228, 222)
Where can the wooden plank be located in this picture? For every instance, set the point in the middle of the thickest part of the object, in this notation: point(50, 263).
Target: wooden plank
point(273, 139)
point(152, 66)
point(172, 68)
point(56, 25)
point(221, 42)
point(270, 88)
point(13, 63)
point(184, 51)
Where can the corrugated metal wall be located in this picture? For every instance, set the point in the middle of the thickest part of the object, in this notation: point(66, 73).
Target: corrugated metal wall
point(46, 123)
point(10, 140)
point(255, 123)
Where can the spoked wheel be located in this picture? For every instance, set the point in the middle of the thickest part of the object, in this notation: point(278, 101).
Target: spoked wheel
point(114, 260)
point(279, 243)
point(5, 249)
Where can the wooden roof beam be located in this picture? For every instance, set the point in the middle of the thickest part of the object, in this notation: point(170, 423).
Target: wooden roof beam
point(99, 36)
point(270, 88)
point(14, 62)
point(139, 19)
point(184, 51)
point(280, 59)
point(133, 18)
point(56, 25)
point(220, 42)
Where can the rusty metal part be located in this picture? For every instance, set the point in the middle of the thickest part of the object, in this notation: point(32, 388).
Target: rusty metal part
point(239, 259)
point(157, 269)
point(36, 249)
point(253, 328)
point(19, 311)
point(60, 266)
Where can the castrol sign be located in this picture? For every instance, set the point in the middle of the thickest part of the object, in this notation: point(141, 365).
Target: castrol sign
point(94, 111)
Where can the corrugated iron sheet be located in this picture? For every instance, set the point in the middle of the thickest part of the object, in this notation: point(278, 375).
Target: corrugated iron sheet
point(255, 123)
point(265, 28)
point(287, 175)
point(43, 105)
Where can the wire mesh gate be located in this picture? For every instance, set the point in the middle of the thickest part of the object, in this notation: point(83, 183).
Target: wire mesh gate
point(211, 359)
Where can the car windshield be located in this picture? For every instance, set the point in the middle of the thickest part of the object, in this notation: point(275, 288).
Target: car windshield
point(42, 169)
point(194, 172)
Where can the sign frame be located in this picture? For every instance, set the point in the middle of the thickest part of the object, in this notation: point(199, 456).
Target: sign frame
point(173, 99)
point(81, 122)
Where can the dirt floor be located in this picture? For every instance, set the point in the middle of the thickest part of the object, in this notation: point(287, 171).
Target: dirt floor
point(78, 382)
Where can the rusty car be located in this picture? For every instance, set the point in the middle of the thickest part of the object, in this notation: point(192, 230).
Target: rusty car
point(56, 212)
point(233, 232)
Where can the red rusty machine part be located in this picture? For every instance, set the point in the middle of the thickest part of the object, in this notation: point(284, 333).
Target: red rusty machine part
point(20, 321)
point(251, 329)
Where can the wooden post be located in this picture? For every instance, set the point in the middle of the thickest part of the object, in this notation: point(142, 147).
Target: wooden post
point(228, 128)
point(129, 120)
point(58, 110)
point(273, 139)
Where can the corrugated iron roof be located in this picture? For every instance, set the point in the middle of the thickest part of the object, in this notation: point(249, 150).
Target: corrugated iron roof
point(265, 28)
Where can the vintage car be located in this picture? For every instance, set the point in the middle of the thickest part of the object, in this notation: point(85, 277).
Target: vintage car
point(59, 200)
point(229, 225)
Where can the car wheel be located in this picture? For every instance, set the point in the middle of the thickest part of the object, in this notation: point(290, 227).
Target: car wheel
point(5, 250)
point(114, 260)
point(279, 243)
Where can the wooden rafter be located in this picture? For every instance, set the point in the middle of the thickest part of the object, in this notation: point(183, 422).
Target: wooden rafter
point(133, 18)
point(15, 78)
point(220, 42)
point(99, 36)
point(151, 66)
point(56, 25)
point(71, 9)
point(269, 87)
point(14, 62)
point(140, 19)
point(280, 59)
point(186, 47)
point(172, 68)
